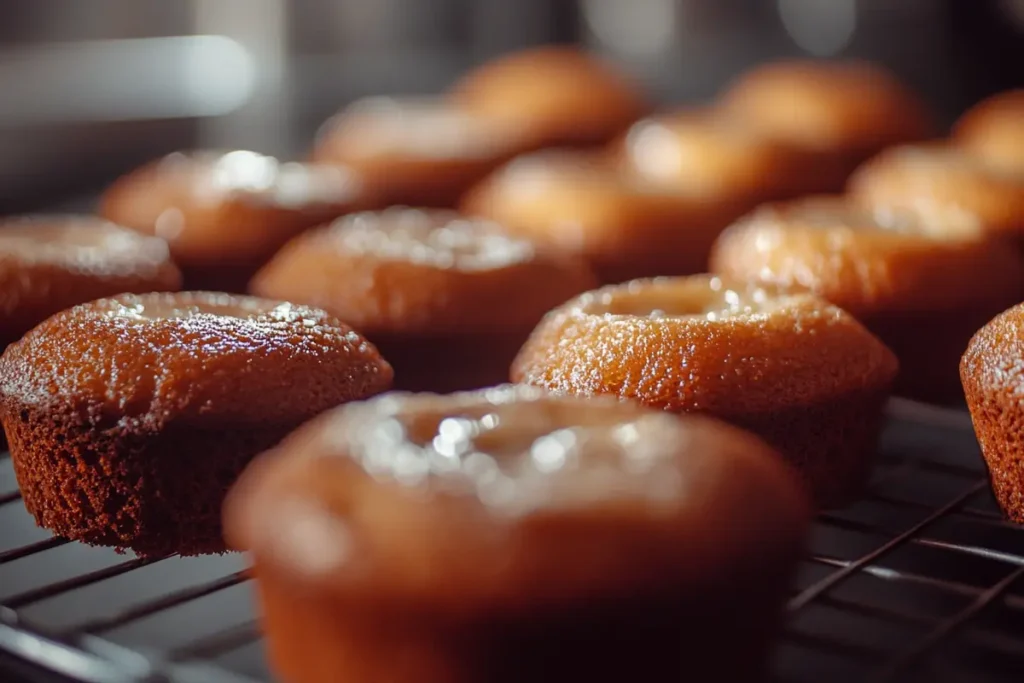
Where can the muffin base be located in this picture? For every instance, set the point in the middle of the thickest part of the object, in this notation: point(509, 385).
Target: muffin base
point(444, 364)
point(999, 425)
point(154, 493)
point(721, 632)
point(831, 444)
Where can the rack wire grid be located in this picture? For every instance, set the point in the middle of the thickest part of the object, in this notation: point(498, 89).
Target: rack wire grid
point(920, 580)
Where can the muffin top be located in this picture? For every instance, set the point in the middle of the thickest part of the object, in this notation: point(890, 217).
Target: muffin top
point(142, 362)
point(995, 357)
point(700, 153)
point(842, 107)
point(219, 205)
point(49, 263)
point(83, 245)
point(556, 95)
point(428, 128)
point(870, 259)
point(511, 500)
point(920, 177)
point(410, 270)
point(993, 130)
point(701, 343)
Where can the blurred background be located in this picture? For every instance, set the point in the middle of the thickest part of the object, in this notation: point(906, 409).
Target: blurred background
point(90, 88)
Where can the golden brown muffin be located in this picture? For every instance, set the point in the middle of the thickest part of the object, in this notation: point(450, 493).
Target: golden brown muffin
point(225, 214)
point(416, 151)
point(923, 283)
point(507, 536)
point(992, 375)
point(558, 96)
point(128, 418)
point(700, 152)
point(993, 130)
point(49, 263)
point(447, 300)
point(923, 177)
point(844, 112)
point(795, 370)
point(623, 224)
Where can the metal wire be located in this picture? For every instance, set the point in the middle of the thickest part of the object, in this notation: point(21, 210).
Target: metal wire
point(849, 587)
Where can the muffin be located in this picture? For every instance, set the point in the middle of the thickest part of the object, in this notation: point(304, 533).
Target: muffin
point(624, 224)
point(923, 283)
point(225, 214)
point(416, 151)
point(557, 95)
point(992, 374)
point(128, 418)
point(842, 112)
point(717, 158)
point(921, 177)
point(993, 130)
point(793, 369)
point(49, 263)
point(511, 536)
point(447, 300)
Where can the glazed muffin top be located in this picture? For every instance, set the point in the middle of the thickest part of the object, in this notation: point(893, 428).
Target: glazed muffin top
point(141, 362)
point(920, 177)
point(700, 153)
point(844, 107)
point(624, 224)
point(426, 128)
point(511, 500)
point(993, 130)
point(701, 343)
point(555, 95)
point(422, 271)
point(219, 206)
point(82, 245)
point(49, 263)
point(869, 260)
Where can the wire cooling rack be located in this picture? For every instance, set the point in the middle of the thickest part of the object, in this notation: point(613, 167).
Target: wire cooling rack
point(920, 580)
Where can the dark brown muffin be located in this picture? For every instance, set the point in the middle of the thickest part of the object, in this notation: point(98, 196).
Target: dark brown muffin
point(417, 151)
point(447, 300)
point(992, 371)
point(795, 370)
point(558, 96)
point(508, 536)
point(993, 130)
point(623, 223)
point(128, 418)
point(225, 214)
point(49, 263)
point(842, 112)
point(922, 281)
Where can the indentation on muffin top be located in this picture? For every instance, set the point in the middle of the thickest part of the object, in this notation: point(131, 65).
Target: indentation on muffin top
point(710, 298)
point(515, 448)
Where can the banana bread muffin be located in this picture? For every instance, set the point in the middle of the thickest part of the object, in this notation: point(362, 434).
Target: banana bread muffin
point(49, 263)
point(923, 282)
point(225, 214)
point(447, 300)
point(128, 418)
point(509, 536)
point(795, 370)
point(556, 95)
